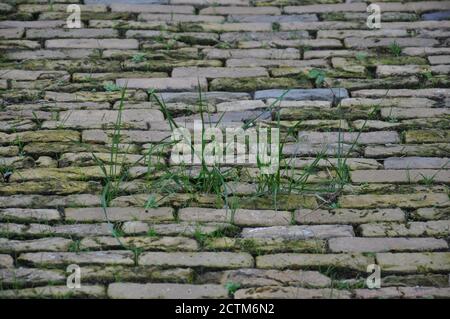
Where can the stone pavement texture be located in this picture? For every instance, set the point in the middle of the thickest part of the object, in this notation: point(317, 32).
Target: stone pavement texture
point(381, 97)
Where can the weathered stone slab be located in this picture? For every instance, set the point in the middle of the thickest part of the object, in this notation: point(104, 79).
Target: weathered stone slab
point(430, 213)
point(410, 113)
point(244, 18)
point(86, 291)
point(241, 217)
point(154, 8)
point(212, 73)
point(240, 10)
point(96, 214)
point(106, 273)
point(261, 277)
point(339, 245)
point(15, 33)
point(42, 201)
point(299, 232)
point(180, 18)
point(6, 261)
point(303, 95)
point(200, 259)
point(76, 230)
point(145, 243)
point(18, 214)
point(403, 292)
point(348, 216)
point(165, 84)
point(240, 105)
point(394, 200)
point(381, 137)
point(275, 54)
point(70, 33)
point(32, 75)
point(416, 163)
point(273, 292)
point(431, 228)
point(427, 136)
point(83, 258)
point(92, 44)
point(246, 35)
point(30, 276)
point(401, 176)
point(32, 24)
point(207, 97)
point(425, 150)
point(165, 291)
point(414, 262)
point(397, 102)
point(107, 118)
point(347, 7)
point(356, 262)
point(320, 25)
point(44, 244)
point(424, 93)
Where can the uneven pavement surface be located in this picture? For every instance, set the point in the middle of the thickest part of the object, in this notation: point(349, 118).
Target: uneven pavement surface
point(379, 97)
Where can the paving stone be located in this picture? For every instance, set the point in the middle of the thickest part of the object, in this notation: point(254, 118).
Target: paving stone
point(86, 291)
point(275, 54)
point(338, 245)
point(261, 277)
point(299, 232)
point(303, 95)
point(241, 217)
point(431, 228)
point(328, 8)
point(165, 291)
point(211, 97)
point(20, 214)
point(416, 163)
point(145, 243)
point(268, 245)
point(430, 213)
point(70, 33)
point(6, 261)
point(97, 214)
point(445, 15)
point(437, 149)
point(212, 73)
point(355, 262)
point(240, 105)
point(30, 276)
point(11, 33)
point(414, 262)
point(272, 18)
point(32, 75)
point(44, 244)
point(165, 84)
point(403, 292)
point(82, 258)
point(246, 35)
point(106, 118)
point(153, 8)
point(348, 216)
point(240, 10)
point(381, 137)
point(422, 93)
point(33, 201)
point(200, 259)
point(401, 176)
point(274, 292)
point(420, 280)
point(393, 200)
